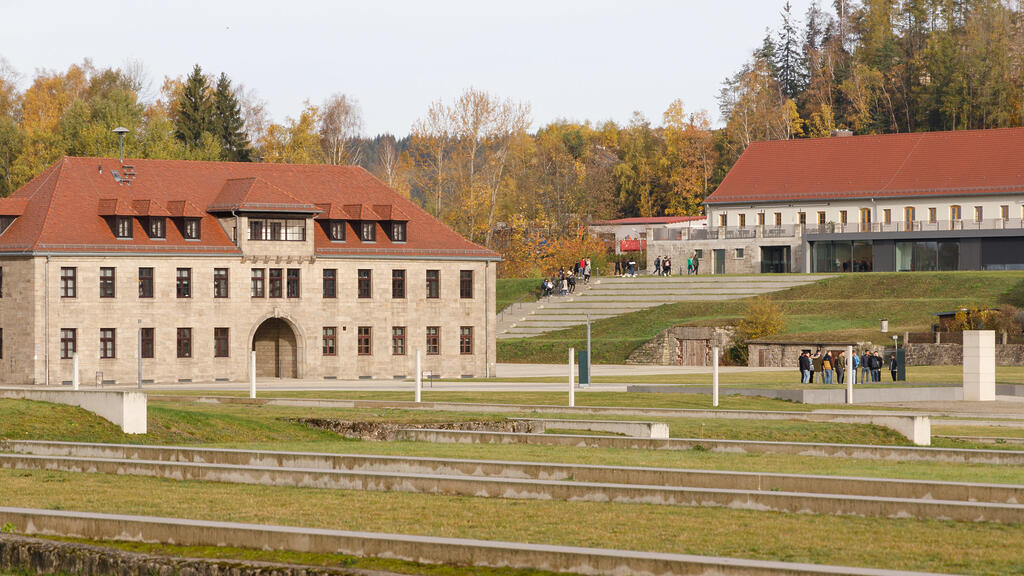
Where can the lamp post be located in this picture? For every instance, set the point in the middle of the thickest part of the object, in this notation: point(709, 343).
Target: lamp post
point(120, 131)
point(590, 366)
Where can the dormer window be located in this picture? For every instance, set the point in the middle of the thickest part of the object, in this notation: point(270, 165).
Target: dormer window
point(5, 223)
point(398, 231)
point(190, 229)
point(157, 227)
point(123, 226)
point(368, 231)
point(336, 229)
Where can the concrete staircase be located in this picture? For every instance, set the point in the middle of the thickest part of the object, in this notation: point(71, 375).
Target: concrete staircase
point(612, 296)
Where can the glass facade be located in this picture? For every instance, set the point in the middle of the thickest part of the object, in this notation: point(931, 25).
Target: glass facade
point(927, 255)
point(842, 256)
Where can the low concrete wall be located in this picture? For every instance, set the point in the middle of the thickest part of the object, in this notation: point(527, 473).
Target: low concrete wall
point(423, 549)
point(543, 489)
point(627, 427)
point(861, 451)
point(126, 409)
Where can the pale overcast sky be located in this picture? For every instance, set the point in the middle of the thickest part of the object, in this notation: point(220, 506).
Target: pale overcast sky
point(581, 60)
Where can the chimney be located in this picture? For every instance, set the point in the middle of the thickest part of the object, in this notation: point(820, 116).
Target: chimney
point(841, 133)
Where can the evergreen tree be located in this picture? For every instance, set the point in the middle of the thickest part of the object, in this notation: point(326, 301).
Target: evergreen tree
point(769, 53)
point(227, 123)
point(193, 109)
point(788, 65)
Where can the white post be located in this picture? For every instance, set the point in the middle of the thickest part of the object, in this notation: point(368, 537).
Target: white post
point(572, 383)
point(419, 375)
point(74, 375)
point(849, 375)
point(714, 376)
point(979, 349)
point(252, 374)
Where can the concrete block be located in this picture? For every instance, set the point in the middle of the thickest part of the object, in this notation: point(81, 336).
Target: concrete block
point(979, 365)
point(126, 409)
point(629, 428)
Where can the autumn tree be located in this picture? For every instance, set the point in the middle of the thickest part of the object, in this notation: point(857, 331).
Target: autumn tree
point(689, 159)
point(341, 122)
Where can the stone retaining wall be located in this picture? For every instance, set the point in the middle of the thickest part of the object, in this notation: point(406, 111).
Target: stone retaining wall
point(41, 556)
point(953, 354)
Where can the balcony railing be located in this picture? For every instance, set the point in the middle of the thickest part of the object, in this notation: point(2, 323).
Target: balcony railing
point(793, 231)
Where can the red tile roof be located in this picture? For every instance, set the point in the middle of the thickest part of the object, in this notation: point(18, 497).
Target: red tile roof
point(59, 210)
point(256, 195)
point(963, 162)
point(648, 220)
point(12, 206)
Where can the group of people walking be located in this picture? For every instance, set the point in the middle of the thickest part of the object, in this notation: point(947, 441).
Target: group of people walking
point(564, 282)
point(662, 266)
point(625, 266)
point(870, 365)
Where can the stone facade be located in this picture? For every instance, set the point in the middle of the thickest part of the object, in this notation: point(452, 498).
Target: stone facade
point(185, 267)
point(28, 343)
point(787, 354)
point(682, 346)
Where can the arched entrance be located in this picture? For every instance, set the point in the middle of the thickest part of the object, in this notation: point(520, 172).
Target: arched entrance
point(276, 349)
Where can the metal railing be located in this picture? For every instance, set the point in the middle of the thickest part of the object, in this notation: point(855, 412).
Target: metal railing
point(793, 231)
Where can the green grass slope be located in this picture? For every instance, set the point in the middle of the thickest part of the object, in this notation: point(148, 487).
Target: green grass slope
point(511, 290)
point(845, 307)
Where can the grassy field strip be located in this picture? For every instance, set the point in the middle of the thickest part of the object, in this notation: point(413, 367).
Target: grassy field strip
point(901, 544)
point(269, 427)
point(81, 457)
point(447, 551)
point(773, 499)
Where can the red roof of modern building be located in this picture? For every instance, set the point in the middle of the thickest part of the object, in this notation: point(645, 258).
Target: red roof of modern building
point(648, 220)
point(67, 208)
point(964, 162)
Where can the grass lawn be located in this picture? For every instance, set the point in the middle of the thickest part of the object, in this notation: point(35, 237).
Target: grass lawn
point(265, 428)
point(846, 307)
point(902, 544)
point(511, 290)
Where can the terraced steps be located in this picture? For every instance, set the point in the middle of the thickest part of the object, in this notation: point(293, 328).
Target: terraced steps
point(608, 297)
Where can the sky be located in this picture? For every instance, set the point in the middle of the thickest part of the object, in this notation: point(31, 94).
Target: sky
point(591, 60)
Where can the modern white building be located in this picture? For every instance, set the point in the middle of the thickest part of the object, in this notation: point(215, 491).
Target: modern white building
point(899, 202)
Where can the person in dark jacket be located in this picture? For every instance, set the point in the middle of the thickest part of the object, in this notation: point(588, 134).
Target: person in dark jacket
point(876, 367)
point(805, 368)
point(894, 367)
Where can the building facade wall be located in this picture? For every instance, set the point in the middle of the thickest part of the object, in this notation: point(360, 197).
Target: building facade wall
point(20, 307)
point(28, 293)
point(741, 256)
point(789, 212)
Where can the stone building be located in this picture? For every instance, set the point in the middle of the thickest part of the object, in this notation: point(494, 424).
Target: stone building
point(894, 202)
point(183, 267)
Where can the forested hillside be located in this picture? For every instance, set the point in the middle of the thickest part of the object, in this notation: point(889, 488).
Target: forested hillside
point(480, 163)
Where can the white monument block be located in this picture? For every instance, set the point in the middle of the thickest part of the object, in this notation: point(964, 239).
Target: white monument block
point(979, 365)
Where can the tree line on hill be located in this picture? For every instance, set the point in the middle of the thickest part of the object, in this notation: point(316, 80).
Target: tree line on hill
point(477, 162)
